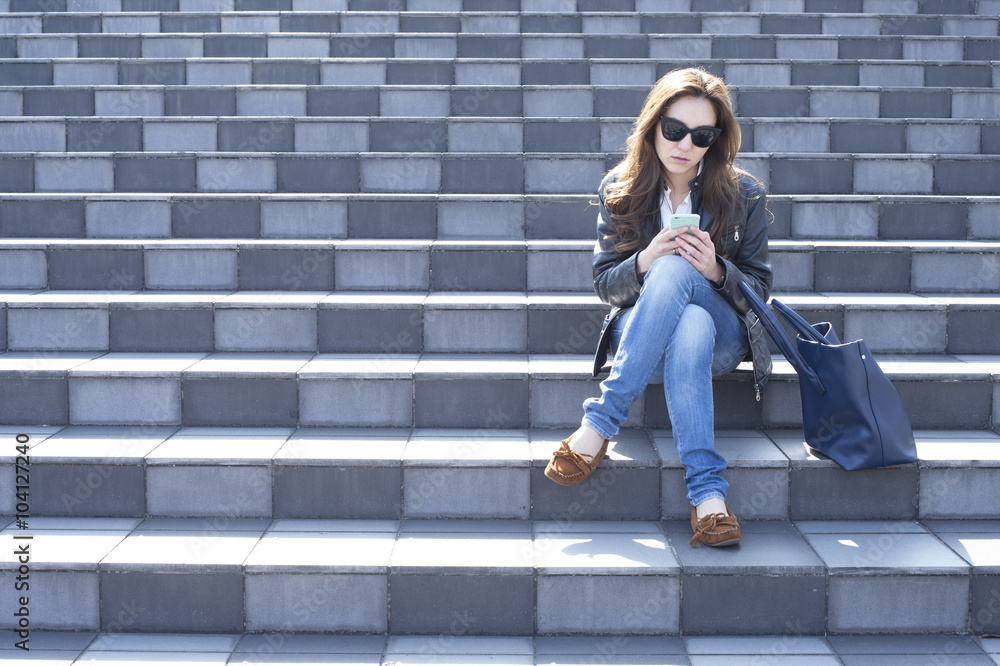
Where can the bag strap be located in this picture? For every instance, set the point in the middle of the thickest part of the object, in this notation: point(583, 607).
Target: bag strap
point(780, 338)
point(804, 328)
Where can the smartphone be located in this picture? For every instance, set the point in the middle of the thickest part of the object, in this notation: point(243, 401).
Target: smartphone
point(677, 221)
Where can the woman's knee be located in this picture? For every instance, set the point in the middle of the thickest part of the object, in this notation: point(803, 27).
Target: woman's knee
point(698, 321)
point(670, 272)
point(695, 332)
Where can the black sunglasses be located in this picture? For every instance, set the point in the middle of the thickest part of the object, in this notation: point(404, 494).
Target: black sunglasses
point(675, 130)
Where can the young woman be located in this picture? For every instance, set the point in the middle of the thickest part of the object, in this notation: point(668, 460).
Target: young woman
point(677, 310)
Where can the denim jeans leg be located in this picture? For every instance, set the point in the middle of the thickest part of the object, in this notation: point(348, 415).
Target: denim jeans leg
point(675, 301)
point(687, 387)
point(666, 290)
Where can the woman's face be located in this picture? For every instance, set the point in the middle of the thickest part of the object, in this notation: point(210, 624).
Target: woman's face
point(680, 158)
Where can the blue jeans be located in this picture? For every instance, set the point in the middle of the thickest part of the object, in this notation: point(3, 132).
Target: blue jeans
point(683, 330)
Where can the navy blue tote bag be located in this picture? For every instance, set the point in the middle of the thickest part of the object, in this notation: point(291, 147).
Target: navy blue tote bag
point(850, 411)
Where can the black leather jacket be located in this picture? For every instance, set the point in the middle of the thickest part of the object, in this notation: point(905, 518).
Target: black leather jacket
point(617, 282)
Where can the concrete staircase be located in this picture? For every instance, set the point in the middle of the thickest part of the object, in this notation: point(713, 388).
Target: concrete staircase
point(296, 303)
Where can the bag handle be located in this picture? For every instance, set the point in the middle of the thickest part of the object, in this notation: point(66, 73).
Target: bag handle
point(781, 338)
point(804, 328)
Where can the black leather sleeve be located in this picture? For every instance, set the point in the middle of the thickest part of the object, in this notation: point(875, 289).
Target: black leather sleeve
point(749, 262)
point(616, 279)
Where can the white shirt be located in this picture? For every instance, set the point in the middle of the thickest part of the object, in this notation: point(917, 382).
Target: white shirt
point(666, 208)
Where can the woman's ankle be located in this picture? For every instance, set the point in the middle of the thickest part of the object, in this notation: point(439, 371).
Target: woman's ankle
point(710, 506)
point(586, 441)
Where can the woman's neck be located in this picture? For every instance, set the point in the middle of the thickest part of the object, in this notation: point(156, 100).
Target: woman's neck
point(679, 182)
point(678, 191)
point(678, 188)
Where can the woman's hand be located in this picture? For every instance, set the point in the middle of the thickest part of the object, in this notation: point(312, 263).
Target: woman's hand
point(697, 247)
point(663, 243)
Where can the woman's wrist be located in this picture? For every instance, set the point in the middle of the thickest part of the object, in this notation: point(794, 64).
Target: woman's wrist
point(641, 267)
point(719, 275)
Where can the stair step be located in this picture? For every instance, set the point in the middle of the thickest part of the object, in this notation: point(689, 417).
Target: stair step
point(958, 7)
point(311, 387)
point(493, 23)
point(444, 134)
point(415, 322)
point(461, 217)
point(516, 578)
point(461, 266)
point(468, 173)
point(783, 650)
point(187, 69)
point(479, 96)
point(449, 44)
point(383, 474)
point(426, 390)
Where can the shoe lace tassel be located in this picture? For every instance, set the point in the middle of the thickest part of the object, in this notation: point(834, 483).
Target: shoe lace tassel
point(707, 524)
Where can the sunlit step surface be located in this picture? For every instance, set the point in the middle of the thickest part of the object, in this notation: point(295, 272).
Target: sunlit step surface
point(515, 578)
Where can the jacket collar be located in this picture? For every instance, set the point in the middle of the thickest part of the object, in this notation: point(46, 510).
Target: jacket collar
point(696, 207)
point(695, 183)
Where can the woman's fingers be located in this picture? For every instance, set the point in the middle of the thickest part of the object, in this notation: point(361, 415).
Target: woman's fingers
point(667, 244)
point(698, 250)
point(689, 242)
point(703, 241)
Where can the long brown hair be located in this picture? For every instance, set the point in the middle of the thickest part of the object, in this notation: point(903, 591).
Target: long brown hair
point(638, 190)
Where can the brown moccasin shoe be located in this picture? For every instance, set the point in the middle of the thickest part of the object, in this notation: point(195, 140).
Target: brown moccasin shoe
point(715, 529)
point(568, 467)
